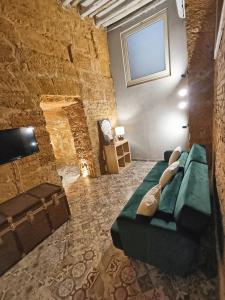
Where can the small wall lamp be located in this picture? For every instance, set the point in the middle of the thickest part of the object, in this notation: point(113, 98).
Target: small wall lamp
point(120, 131)
point(182, 105)
point(183, 92)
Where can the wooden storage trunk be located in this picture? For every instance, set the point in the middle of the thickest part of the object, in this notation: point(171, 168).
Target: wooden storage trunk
point(10, 252)
point(27, 217)
point(54, 199)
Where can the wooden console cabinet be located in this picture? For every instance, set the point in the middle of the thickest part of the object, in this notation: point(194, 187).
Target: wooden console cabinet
point(117, 156)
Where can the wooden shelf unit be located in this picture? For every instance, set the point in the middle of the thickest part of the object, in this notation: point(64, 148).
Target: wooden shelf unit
point(117, 156)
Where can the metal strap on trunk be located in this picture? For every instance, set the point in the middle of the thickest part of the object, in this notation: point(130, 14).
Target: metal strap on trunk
point(3, 232)
point(28, 217)
point(55, 199)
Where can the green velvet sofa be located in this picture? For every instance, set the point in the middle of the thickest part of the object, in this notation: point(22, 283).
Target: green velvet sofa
point(170, 239)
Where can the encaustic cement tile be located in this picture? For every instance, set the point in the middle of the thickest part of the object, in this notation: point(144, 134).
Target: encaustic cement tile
point(78, 261)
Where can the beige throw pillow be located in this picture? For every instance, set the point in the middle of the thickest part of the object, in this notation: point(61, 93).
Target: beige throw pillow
point(169, 173)
point(175, 155)
point(150, 202)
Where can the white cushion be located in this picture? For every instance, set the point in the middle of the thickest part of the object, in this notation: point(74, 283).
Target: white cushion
point(175, 155)
point(150, 202)
point(169, 173)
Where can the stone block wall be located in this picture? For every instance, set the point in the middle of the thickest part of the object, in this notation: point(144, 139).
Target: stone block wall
point(79, 128)
point(46, 50)
point(61, 137)
point(200, 23)
point(207, 94)
point(219, 142)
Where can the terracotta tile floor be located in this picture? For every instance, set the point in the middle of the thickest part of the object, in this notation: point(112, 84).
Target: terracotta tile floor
point(79, 261)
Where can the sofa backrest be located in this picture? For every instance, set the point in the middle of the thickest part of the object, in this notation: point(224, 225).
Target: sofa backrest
point(168, 198)
point(183, 158)
point(193, 208)
point(197, 153)
point(169, 194)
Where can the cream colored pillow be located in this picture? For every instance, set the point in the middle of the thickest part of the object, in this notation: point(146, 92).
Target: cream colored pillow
point(150, 202)
point(175, 155)
point(169, 173)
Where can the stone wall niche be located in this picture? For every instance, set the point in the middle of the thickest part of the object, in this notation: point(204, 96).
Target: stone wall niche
point(69, 134)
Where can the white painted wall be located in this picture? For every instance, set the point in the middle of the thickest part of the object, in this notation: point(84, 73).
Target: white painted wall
point(149, 111)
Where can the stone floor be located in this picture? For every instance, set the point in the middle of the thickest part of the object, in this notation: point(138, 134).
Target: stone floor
point(79, 261)
point(69, 174)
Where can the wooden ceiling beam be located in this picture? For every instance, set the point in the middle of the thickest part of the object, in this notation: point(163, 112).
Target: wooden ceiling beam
point(121, 13)
point(92, 8)
point(115, 3)
point(74, 3)
point(86, 3)
point(103, 7)
point(141, 12)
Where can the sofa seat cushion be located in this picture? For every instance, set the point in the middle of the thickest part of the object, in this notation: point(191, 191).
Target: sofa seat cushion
point(198, 154)
point(130, 209)
point(156, 172)
point(116, 236)
point(193, 207)
point(168, 198)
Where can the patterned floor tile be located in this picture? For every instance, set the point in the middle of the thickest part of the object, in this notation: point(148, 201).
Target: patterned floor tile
point(79, 261)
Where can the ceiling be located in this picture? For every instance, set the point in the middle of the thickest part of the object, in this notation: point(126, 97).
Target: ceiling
point(107, 12)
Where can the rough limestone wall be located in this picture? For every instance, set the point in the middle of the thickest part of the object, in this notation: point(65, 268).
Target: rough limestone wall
point(219, 141)
point(207, 100)
point(60, 133)
point(79, 128)
point(201, 16)
point(45, 50)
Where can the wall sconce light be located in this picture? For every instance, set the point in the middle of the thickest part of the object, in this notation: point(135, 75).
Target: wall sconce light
point(183, 92)
point(182, 105)
point(120, 131)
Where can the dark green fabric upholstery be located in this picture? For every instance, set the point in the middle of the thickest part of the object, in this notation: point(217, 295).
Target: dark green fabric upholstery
point(183, 159)
point(130, 209)
point(193, 207)
point(198, 154)
point(160, 245)
point(116, 236)
point(163, 224)
point(156, 172)
point(168, 241)
point(168, 198)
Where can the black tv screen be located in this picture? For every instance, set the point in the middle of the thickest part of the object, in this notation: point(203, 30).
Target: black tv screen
point(17, 143)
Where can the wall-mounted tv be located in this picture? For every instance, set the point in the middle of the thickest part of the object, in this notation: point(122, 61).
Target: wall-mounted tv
point(17, 143)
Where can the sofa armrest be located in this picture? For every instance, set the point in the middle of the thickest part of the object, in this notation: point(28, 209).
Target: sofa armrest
point(159, 244)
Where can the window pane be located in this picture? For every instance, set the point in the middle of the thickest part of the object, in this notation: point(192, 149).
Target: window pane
point(146, 50)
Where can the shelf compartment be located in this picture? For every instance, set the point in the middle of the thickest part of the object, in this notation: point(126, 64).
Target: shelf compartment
point(121, 162)
point(126, 147)
point(119, 150)
point(127, 158)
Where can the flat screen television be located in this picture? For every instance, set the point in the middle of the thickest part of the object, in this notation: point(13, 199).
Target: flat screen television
point(17, 143)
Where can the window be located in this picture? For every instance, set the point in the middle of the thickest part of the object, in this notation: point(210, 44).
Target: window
point(146, 50)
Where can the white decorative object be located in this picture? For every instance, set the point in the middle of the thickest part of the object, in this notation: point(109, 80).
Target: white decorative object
point(181, 8)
